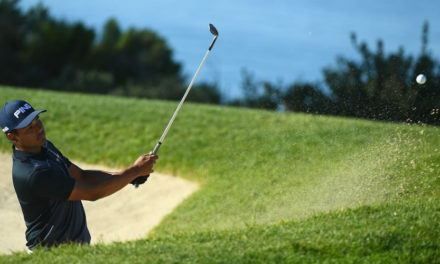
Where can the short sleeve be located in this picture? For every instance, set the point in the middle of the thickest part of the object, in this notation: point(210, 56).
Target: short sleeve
point(51, 183)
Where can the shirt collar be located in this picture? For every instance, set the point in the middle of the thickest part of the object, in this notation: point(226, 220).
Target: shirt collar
point(22, 155)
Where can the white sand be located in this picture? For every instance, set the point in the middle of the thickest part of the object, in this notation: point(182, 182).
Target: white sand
point(126, 215)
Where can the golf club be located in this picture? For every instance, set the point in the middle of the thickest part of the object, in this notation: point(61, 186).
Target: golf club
point(214, 32)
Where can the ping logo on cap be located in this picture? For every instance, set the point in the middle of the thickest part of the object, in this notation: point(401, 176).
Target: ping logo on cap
point(21, 110)
point(5, 129)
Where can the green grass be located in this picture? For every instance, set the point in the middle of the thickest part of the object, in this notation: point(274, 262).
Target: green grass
point(393, 233)
point(276, 187)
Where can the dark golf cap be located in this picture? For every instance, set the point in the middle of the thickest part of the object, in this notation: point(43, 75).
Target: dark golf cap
point(17, 114)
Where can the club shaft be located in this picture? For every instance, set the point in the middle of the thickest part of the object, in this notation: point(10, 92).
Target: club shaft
point(165, 132)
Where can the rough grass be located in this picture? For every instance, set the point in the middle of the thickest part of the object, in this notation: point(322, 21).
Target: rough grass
point(392, 233)
point(266, 177)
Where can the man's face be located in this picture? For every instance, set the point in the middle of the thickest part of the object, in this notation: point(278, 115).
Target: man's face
point(30, 138)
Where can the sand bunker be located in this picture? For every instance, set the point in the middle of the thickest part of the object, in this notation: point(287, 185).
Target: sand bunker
point(126, 215)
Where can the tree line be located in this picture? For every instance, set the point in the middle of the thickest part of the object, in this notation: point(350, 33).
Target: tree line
point(377, 86)
point(37, 50)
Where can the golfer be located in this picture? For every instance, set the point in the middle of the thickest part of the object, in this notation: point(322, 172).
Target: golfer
point(49, 187)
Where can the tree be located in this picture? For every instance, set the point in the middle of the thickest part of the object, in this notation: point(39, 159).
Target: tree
point(11, 41)
point(135, 55)
point(306, 98)
point(382, 86)
point(205, 92)
point(378, 86)
point(37, 50)
point(426, 99)
point(259, 94)
point(51, 47)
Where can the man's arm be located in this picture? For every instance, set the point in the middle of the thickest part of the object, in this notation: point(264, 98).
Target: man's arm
point(89, 176)
point(92, 185)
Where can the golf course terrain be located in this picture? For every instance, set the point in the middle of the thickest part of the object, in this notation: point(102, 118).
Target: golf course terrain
point(274, 187)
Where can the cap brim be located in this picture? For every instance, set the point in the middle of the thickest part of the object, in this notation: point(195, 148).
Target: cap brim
point(28, 120)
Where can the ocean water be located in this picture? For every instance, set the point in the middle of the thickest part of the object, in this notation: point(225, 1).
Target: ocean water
point(281, 41)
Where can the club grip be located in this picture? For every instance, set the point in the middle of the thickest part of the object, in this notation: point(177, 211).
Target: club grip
point(142, 179)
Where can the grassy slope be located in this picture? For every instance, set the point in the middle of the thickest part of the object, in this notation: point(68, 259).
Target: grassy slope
point(392, 233)
point(260, 171)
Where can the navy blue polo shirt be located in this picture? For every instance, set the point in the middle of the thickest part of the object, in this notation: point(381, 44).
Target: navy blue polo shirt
point(43, 185)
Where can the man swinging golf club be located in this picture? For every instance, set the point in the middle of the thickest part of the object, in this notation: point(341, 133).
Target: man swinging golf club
point(49, 187)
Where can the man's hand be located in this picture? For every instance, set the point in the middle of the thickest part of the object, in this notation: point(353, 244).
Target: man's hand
point(144, 164)
point(148, 159)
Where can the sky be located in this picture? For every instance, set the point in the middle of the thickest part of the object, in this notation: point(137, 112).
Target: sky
point(281, 41)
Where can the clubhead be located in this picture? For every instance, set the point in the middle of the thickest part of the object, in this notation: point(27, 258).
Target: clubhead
point(213, 30)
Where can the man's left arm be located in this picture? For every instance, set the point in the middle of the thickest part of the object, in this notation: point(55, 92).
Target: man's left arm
point(89, 176)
